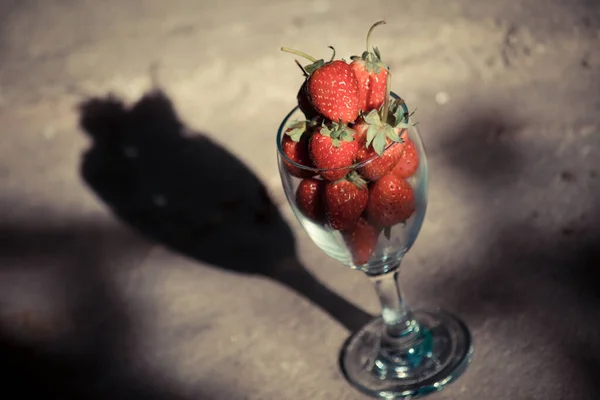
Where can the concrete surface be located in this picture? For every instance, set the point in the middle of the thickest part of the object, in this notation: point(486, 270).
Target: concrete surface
point(131, 270)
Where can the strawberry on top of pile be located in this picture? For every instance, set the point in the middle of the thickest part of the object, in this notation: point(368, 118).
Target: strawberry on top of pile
point(355, 145)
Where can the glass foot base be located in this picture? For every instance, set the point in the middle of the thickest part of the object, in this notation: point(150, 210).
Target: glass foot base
point(437, 354)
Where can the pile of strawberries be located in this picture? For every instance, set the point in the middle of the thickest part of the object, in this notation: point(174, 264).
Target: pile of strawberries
point(355, 145)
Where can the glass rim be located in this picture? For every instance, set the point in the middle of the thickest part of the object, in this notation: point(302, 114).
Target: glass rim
point(281, 132)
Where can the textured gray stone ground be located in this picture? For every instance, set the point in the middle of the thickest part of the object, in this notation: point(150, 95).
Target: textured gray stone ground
point(508, 97)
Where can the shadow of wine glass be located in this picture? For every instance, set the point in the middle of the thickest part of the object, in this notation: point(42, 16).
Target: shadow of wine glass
point(182, 189)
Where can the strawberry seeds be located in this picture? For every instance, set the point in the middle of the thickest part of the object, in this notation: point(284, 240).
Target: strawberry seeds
point(354, 149)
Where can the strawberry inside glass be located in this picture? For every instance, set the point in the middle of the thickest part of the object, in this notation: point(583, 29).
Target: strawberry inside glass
point(354, 170)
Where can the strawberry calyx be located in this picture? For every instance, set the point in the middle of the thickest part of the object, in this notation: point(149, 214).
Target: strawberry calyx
point(385, 123)
point(355, 178)
point(372, 57)
point(296, 130)
point(315, 65)
point(379, 132)
point(398, 114)
point(338, 132)
point(310, 68)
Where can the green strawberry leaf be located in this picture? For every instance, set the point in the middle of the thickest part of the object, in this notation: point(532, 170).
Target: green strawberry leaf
point(355, 178)
point(314, 66)
point(373, 63)
point(390, 132)
point(297, 130)
point(296, 134)
point(399, 118)
point(297, 124)
point(373, 66)
point(338, 132)
point(372, 118)
point(347, 135)
point(379, 143)
point(396, 112)
point(378, 132)
point(393, 110)
point(377, 53)
point(325, 131)
point(372, 131)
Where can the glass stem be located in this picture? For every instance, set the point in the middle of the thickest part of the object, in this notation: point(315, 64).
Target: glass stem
point(401, 339)
point(394, 311)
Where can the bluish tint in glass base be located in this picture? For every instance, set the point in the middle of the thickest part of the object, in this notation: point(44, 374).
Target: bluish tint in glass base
point(432, 356)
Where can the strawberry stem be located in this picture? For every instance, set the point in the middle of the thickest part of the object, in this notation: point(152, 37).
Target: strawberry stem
point(355, 178)
point(302, 68)
point(299, 53)
point(386, 101)
point(333, 56)
point(376, 24)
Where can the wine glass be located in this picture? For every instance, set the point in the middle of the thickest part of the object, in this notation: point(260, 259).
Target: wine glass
point(402, 353)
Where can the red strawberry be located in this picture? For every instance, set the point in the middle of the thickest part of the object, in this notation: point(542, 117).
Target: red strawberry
point(372, 85)
point(304, 103)
point(330, 87)
point(361, 240)
point(379, 165)
point(333, 91)
point(333, 149)
point(409, 161)
point(309, 199)
point(295, 146)
point(345, 201)
point(372, 75)
point(391, 201)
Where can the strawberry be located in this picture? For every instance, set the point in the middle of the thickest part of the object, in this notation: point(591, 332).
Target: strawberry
point(379, 165)
point(333, 149)
point(409, 161)
point(330, 87)
point(345, 201)
point(304, 102)
point(309, 199)
point(376, 135)
point(372, 75)
point(371, 84)
point(333, 91)
point(295, 147)
point(391, 201)
point(361, 240)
